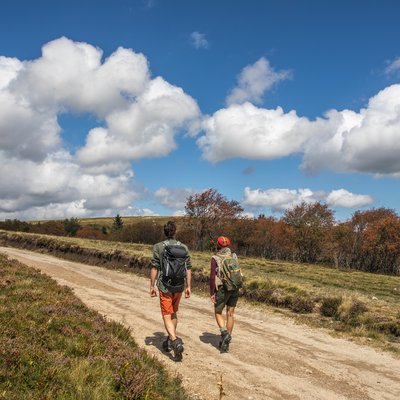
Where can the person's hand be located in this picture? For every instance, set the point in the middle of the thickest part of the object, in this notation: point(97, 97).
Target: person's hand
point(213, 298)
point(153, 291)
point(187, 292)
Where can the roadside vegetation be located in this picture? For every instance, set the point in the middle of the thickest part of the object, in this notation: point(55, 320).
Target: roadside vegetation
point(307, 233)
point(53, 347)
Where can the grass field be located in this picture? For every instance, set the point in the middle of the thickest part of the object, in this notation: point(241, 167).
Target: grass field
point(53, 347)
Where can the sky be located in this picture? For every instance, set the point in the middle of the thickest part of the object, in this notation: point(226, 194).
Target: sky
point(130, 106)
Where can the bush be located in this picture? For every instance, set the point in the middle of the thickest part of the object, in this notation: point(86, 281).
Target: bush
point(302, 305)
point(330, 306)
point(350, 310)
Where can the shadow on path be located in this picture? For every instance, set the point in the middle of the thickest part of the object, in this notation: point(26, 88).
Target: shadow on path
point(157, 340)
point(210, 338)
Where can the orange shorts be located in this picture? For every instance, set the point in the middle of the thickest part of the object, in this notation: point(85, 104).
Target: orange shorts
point(169, 302)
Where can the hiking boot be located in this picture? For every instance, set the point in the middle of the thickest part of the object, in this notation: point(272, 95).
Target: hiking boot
point(225, 340)
point(166, 346)
point(177, 347)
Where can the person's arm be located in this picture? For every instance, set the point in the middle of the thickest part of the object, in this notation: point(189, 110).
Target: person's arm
point(188, 289)
point(153, 277)
point(213, 274)
point(154, 267)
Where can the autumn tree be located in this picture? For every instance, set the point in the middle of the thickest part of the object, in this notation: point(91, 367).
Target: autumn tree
point(271, 238)
point(343, 236)
point(240, 231)
point(311, 224)
point(207, 213)
point(376, 244)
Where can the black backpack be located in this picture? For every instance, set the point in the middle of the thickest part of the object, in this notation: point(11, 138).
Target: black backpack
point(173, 267)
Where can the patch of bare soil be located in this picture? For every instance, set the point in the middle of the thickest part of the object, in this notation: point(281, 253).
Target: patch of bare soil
point(270, 357)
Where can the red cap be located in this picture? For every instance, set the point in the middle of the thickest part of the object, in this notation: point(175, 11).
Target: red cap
point(223, 241)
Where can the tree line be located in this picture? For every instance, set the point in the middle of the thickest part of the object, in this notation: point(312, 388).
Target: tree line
point(308, 233)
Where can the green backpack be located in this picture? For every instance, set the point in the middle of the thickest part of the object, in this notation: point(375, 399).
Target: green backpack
point(229, 273)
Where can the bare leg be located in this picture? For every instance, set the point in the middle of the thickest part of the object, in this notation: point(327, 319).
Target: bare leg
point(230, 320)
point(220, 319)
point(170, 323)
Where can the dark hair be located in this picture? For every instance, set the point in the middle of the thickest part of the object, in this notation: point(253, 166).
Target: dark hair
point(170, 229)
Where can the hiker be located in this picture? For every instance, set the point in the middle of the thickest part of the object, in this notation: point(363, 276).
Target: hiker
point(170, 268)
point(225, 282)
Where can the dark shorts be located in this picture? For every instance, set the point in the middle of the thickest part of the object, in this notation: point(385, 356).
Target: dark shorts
point(225, 298)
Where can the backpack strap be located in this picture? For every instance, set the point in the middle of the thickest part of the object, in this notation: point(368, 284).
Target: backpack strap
point(218, 260)
point(165, 243)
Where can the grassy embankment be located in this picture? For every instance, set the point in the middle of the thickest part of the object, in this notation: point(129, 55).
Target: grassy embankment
point(362, 305)
point(53, 347)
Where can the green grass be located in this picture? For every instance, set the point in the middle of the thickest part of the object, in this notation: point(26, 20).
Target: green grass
point(53, 347)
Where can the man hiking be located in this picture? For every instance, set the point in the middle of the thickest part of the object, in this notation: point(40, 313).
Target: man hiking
point(171, 270)
point(225, 282)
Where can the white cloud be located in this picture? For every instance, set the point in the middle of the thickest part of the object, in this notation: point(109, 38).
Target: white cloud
point(174, 199)
point(254, 81)
point(250, 132)
point(199, 40)
point(70, 76)
point(138, 117)
point(145, 129)
point(59, 181)
point(9, 69)
point(26, 133)
point(344, 199)
point(281, 199)
point(368, 141)
point(278, 199)
point(393, 67)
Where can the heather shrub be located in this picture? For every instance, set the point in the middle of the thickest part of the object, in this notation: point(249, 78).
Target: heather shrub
point(330, 306)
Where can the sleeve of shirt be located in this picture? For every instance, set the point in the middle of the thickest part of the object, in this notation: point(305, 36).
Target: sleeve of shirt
point(188, 259)
point(212, 275)
point(155, 262)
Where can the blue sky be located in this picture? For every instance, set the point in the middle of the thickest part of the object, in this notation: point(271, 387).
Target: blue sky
point(130, 106)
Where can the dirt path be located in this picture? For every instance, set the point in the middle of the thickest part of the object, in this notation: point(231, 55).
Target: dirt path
point(270, 357)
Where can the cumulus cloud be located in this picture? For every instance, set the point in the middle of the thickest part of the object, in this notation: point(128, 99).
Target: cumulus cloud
point(279, 200)
point(25, 132)
point(367, 141)
point(254, 81)
point(199, 40)
point(145, 129)
point(71, 76)
point(138, 117)
point(250, 132)
point(174, 198)
point(344, 199)
point(60, 182)
point(393, 67)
